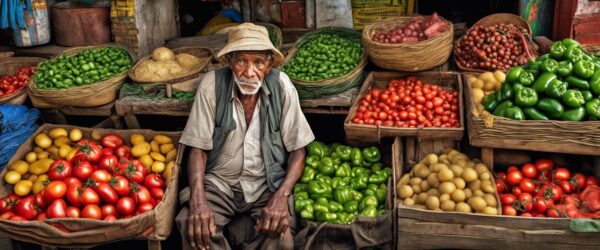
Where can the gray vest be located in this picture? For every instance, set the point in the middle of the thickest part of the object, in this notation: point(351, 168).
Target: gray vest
point(273, 151)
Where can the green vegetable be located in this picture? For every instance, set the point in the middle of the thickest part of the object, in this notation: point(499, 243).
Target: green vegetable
point(533, 114)
point(343, 170)
point(595, 82)
point(552, 108)
point(587, 95)
point(573, 98)
point(381, 195)
point(307, 175)
point(573, 54)
point(576, 82)
point(315, 148)
point(517, 86)
point(300, 187)
point(369, 200)
point(514, 113)
point(556, 89)
point(356, 157)
point(343, 195)
point(490, 103)
point(323, 178)
point(534, 67)
point(507, 91)
point(513, 74)
point(308, 212)
point(575, 114)
point(351, 207)
point(549, 65)
point(356, 171)
point(584, 69)
point(313, 161)
point(371, 154)
point(526, 78)
point(565, 69)
point(318, 188)
point(326, 217)
point(542, 82)
point(343, 152)
point(499, 111)
point(359, 182)
point(370, 211)
point(326, 166)
point(526, 97)
point(569, 42)
point(557, 50)
point(335, 207)
point(592, 108)
point(337, 182)
point(300, 205)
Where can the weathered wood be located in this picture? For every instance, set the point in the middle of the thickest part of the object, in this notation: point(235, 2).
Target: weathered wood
point(326, 110)
point(131, 121)
point(215, 42)
point(417, 149)
point(544, 43)
point(168, 107)
point(154, 245)
point(487, 157)
point(44, 51)
point(156, 21)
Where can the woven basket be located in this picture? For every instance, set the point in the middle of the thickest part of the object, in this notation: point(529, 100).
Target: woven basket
point(10, 66)
point(410, 57)
point(204, 54)
point(95, 94)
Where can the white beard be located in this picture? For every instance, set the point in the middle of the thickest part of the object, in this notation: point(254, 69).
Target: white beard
point(247, 86)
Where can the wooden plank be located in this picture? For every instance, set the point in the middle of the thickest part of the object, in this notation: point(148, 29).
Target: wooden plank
point(44, 51)
point(215, 42)
point(487, 157)
point(326, 110)
point(156, 21)
point(131, 121)
point(168, 107)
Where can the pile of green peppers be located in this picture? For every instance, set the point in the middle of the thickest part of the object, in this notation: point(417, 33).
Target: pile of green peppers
point(561, 85)
point(86, 67)
point(340, 182)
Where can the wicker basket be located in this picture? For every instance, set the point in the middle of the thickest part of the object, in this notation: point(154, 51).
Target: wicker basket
point(10, 66)
point(96, 94)
point(410, 57)
point(204, 54)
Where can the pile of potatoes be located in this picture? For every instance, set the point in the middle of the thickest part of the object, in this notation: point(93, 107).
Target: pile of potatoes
point(165, 65)
point(483, 85)
point(449, 182)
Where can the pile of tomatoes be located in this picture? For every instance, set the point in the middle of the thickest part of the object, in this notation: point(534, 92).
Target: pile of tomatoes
point(541, 190)
point(101, 180)
point(15, 83)
point(409, 103)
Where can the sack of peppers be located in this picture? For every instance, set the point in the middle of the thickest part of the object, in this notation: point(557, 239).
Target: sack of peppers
point(561, 85)
point(340, 183)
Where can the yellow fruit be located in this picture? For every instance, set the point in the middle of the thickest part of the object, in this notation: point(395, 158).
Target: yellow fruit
point(154, 146)
point(75, 135)
point(38, 150)
point(140, 149)
point(64, 150)
point(147, 161)
point(53, 150)
point(61, 140)
point(40, 166)
point(96, 135)
point(43, 140)
point(23, 187)
point(158, 167)
point(168, 171)
point(137, 139)
point(20, 166)
point(162, 139)
point(43, 155)
point(31, 157)
point(40, 183)
point(171, 155)
point(58, 132)
point(157, 156)
point(12, 177)
point(71, 154)
point(165, 148)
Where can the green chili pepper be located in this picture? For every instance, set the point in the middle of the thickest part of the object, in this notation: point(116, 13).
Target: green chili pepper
point(490, 103)
point(575, 114)
point(565, 69)
point(533, 114)
point(576, 82)
point(557, 50)
point(556, 89)
point(526, 97)
point(592, 108)
point(573, 98)
point(552, 108)
point(541, 84)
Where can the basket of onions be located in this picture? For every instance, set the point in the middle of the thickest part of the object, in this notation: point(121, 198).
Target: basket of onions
point(409, 43)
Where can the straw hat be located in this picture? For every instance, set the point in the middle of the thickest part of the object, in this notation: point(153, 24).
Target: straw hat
point(249, 37)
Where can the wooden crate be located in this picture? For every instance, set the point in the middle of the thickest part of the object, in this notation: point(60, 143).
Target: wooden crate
point(448, 80)
point(581, 137)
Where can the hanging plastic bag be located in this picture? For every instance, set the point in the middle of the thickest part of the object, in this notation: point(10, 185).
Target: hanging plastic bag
point(37, 25)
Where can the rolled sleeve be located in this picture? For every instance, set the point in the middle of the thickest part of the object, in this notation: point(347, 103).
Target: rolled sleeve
point(295, 130)
point(201, 122)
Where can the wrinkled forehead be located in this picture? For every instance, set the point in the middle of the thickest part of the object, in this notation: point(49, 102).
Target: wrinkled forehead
point(264, 55)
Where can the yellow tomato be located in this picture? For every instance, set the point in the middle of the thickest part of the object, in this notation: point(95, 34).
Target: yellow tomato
point(40, 166)
point(165, 148)
point(96, 135)
point(157, 156)
point(58, 132)
point(171, 155)
point(154, 146)
point(71, 154)
point(168, 171)
point(140, 149)
point(38, 149)
point(137, 139)
point(12, 177)
point(31, 157)
point(43, 141)
point(23, 187)
point(61, 140)
point(162, 139)
point(64, 150)
point(20, 166)
point(32, 178)
point(75, 135)
point(40, 184)
point(53, 150)
point(158, 167)
point(43, 155)
point(147, 161)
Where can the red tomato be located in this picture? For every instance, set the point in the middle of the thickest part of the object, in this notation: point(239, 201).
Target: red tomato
point(26, 208)
point(74, 195)
point(59, 170)
point(106, 152)
point(110, 218)
point(83, 170)
point(527, 185)
point(55, 190)
point(101, 175)
point(123, 151)
point(134, 170)
point(501, 175)
point(91, 211)
point(72, 181)
point(40, 201)
point(544, 164)
point(501, 186)
point(154, 181)
point(514, 177)
point(88, 151)
point(540, 205)
point(509, 211)
point(112, 141)
point(578, 180)
point(591, 180)
point(517, 191)
point(525, 203)
point(126, 206)
point(41, 216)
point(108, 209)
point(7, 203)
point(561, 174)
point(566, 186)
point(18, 218)
point(89, 196)
point(106, 192)
point(507, 199)
point(529, 171)
point(512, 168)
point(73, 212)
point(570, 199)
point(142, 195)
point(553, 212)
point(157, 193)
point(6, 215)
point(121, 185)
point(551, 192)
point(57, 209)
point(109, 163)
point(145, 207)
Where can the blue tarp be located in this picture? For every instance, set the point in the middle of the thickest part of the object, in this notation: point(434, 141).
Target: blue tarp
point(17, 123)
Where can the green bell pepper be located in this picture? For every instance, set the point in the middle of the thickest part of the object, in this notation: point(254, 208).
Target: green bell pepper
point(507, 91)
point(579, 83)
point(300, 187)
point(551, 107)
point(490, 103)
point(335, 207)
point(378, 178)
point(323, 178)
point(321, 208)
point(574, 114)
point(595, 82)
point(351, 207)
point(372, 186)
point(541, 84)
point(592, 108)
point(318, 188)
point(326, 166)
point(556, 89)
point(371, 154)
point(321, 201)
point(313, 161)
point(587, 95)
point(315, 148)
point(326, 150)
point(570, 42)
point(356, 195)
point(381, 195)
point(376, 167)
point(517, 86)
point(534, 67)
point(549, 65)
point(526, 78)
point(584, 69)
point(542, 57)
point(307, 175)
point(369, 200)
point(359, 182)
point(565, 69)
point(356, 157)
point(533, 114)
point(301, 196)
point(326, 217)
point(368, 192)
point(337, 182)
point(498, 96)
point(369, 211)
point(344, 152)
point(300, 205)
point(513, 74)
point(388, 172)
point(526, 97)
point(359, 171)
point(308, 213)
point(499, 111)
point(342, 195)
point(573, 54)
point(573, 98)
point(515, 113)
point(557, 50)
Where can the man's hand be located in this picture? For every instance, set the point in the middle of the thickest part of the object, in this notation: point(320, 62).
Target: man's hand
point(201, 225)
point(274, 220)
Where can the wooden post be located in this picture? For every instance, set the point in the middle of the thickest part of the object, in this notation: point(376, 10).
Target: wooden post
point(131, 121)
point(487, 157)
point(154, 245)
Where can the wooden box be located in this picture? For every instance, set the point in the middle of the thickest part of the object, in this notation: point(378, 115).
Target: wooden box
point(448, 80)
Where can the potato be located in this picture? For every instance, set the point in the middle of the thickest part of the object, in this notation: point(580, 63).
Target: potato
point(476, 84)
point(447, 187)
point(446, 175)
point(462, 207)
point(444, 159)
point(499, 75)
point(423, 173)
point(416, 188)
point(438, 167)
point(448, 205)
point(409, 202)
point(430, 159)
point(471, 78)
point(458, 195)
point(452, 153)
point(485, 176)
point(457, 170)
point(459, 183)
point(469, 175)
point(487, 76)
point(460, 161)
point(187, 61)
point(421, 198)
point(475, 185)
point(481, 168)
point(433, 180)
point(424, 186)
point(468, 193)
point(405, 191)
point(488, 187)
point(434, 192)
point(477, 95)
point(404, 180)
point(490, 211)
point(444, 197)
point(162, 54)
point(415, 181)
point(478, 193)
point(416, 169)
point(490, 200)
point(433, 202)
point(173, 68)
point(471, 164)
point(477, 203)
point(489, 85)
point(420, 207)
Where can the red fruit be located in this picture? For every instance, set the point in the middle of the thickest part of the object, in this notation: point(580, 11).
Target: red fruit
point(59, 170)
point(57, 209)
point(529, 171)
point(55, 190)
point(91, 211)
point(153, 181)
point(26, 208)
point(83, 170)
point(126, 206)
point(112, 141)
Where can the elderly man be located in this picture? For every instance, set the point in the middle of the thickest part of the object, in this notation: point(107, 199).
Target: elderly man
point(245, 121)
